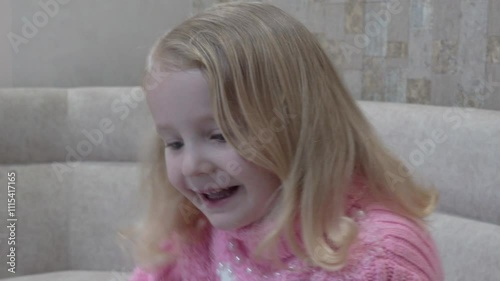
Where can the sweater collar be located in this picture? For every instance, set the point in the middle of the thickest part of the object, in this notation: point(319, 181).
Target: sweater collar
point(248, 237)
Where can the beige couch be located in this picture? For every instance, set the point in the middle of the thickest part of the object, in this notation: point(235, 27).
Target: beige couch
point(69, 212)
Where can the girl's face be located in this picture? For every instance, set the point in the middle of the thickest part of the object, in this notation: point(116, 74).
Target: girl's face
point(198, 159)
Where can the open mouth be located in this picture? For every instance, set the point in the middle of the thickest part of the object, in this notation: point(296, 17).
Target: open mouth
point(220, 195)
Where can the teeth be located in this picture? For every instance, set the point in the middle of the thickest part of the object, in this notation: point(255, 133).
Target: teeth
point(218, 190)
point(219, 194)
point(215, 191)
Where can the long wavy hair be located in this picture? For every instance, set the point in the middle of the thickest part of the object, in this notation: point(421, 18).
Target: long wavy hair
point(260, 62)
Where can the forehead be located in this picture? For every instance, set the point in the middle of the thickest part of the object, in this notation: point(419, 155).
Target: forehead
point(178, 97)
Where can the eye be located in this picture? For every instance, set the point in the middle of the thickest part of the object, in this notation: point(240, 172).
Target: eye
point(178, 145)
point(174, 145)
point(219, 137)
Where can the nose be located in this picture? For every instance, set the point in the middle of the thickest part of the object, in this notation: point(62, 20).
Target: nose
point(196, 162)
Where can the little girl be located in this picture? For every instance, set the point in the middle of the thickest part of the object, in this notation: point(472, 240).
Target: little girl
point(264, 168)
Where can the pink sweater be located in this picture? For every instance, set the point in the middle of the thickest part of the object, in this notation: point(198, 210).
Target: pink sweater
point(389, 247)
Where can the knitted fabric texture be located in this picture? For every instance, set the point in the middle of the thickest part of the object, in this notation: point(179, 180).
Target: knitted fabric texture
point(388, 247)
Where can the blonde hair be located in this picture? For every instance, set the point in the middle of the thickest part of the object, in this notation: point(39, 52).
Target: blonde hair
point(261, 62)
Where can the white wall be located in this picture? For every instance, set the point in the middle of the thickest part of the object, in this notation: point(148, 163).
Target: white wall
point(78, 43)
point(5, 50)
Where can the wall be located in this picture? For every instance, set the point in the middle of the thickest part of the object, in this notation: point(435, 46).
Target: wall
point(443, 52)
point(74, 43)
point(5, 53)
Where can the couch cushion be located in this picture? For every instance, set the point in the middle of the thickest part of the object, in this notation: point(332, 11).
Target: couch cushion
point(74, 276)
point(456, 149)
point(75, 124)
point(468, 248)
point(73, 219)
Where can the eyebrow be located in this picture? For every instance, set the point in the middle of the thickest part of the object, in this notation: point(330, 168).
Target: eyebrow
point(166, 126)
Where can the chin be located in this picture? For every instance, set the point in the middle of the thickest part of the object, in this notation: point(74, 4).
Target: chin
point(225, 224)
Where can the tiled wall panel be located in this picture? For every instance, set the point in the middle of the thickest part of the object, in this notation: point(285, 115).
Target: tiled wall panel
point(444, 52)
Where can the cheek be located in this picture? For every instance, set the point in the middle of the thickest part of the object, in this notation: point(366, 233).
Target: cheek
point(173, 173)
point(264, 181)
